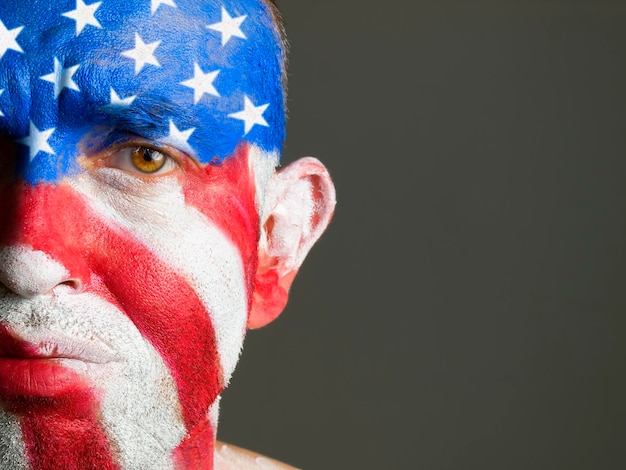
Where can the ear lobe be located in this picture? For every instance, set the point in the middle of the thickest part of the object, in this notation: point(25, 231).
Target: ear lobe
point(299, 204)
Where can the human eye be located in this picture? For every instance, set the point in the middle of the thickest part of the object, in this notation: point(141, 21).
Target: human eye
point(140, 159)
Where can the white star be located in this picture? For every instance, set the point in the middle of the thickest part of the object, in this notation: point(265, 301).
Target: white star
point(251, 115)
point(116, 101)
point(62, 77)
point(156, 3)
point(84, 15)
point(7, 39)
point(37, 141)
point(1, 91)
point(229, 26)
point(142, 53)
point(201, 83)
point(179, 138)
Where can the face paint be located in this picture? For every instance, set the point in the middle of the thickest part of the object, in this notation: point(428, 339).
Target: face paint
point(130, 132)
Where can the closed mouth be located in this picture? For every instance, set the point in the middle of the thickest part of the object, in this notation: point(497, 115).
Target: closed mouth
point(46, 365)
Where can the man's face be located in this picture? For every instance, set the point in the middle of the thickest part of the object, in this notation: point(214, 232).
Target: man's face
point(133, 136)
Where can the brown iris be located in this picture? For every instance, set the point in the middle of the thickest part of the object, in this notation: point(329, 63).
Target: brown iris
point(147, 160)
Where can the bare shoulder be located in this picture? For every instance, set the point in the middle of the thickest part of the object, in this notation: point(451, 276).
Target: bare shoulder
point(229, 457)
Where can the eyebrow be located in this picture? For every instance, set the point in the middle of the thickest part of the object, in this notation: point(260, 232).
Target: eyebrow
point(146, 116)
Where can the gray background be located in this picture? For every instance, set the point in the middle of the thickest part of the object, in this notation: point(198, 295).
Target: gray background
point(466, 308)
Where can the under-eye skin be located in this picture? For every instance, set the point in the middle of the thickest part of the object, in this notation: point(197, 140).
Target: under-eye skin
point(140, 159)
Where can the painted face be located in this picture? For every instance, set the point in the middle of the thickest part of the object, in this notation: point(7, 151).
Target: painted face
point(135, 137)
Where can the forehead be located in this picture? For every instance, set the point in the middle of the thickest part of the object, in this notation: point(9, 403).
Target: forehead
point(200, 75)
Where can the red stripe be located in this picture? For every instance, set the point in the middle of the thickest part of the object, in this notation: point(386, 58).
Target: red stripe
point(64, 432)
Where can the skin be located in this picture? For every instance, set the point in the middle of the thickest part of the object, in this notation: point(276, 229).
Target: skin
point(229, 457)
point(134, 251)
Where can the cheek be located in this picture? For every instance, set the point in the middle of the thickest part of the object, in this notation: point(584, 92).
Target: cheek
point(199, 244)
point(226, 194)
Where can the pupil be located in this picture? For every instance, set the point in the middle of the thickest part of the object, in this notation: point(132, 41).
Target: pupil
point(147, 155)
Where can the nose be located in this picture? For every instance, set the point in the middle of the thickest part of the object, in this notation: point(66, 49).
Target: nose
point(30, 273)
point(37, 227)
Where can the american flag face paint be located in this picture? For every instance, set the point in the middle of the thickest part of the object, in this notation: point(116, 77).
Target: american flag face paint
point(133, 136)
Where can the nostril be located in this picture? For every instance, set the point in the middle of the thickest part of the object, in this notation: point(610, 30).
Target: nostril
point(69, 286)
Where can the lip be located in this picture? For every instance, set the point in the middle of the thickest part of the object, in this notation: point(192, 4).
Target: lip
point(46, 366)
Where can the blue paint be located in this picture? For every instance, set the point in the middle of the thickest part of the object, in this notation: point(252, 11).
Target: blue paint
point(248, 67)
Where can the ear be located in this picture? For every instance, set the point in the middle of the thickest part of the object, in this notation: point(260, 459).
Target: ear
point(299, 204)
